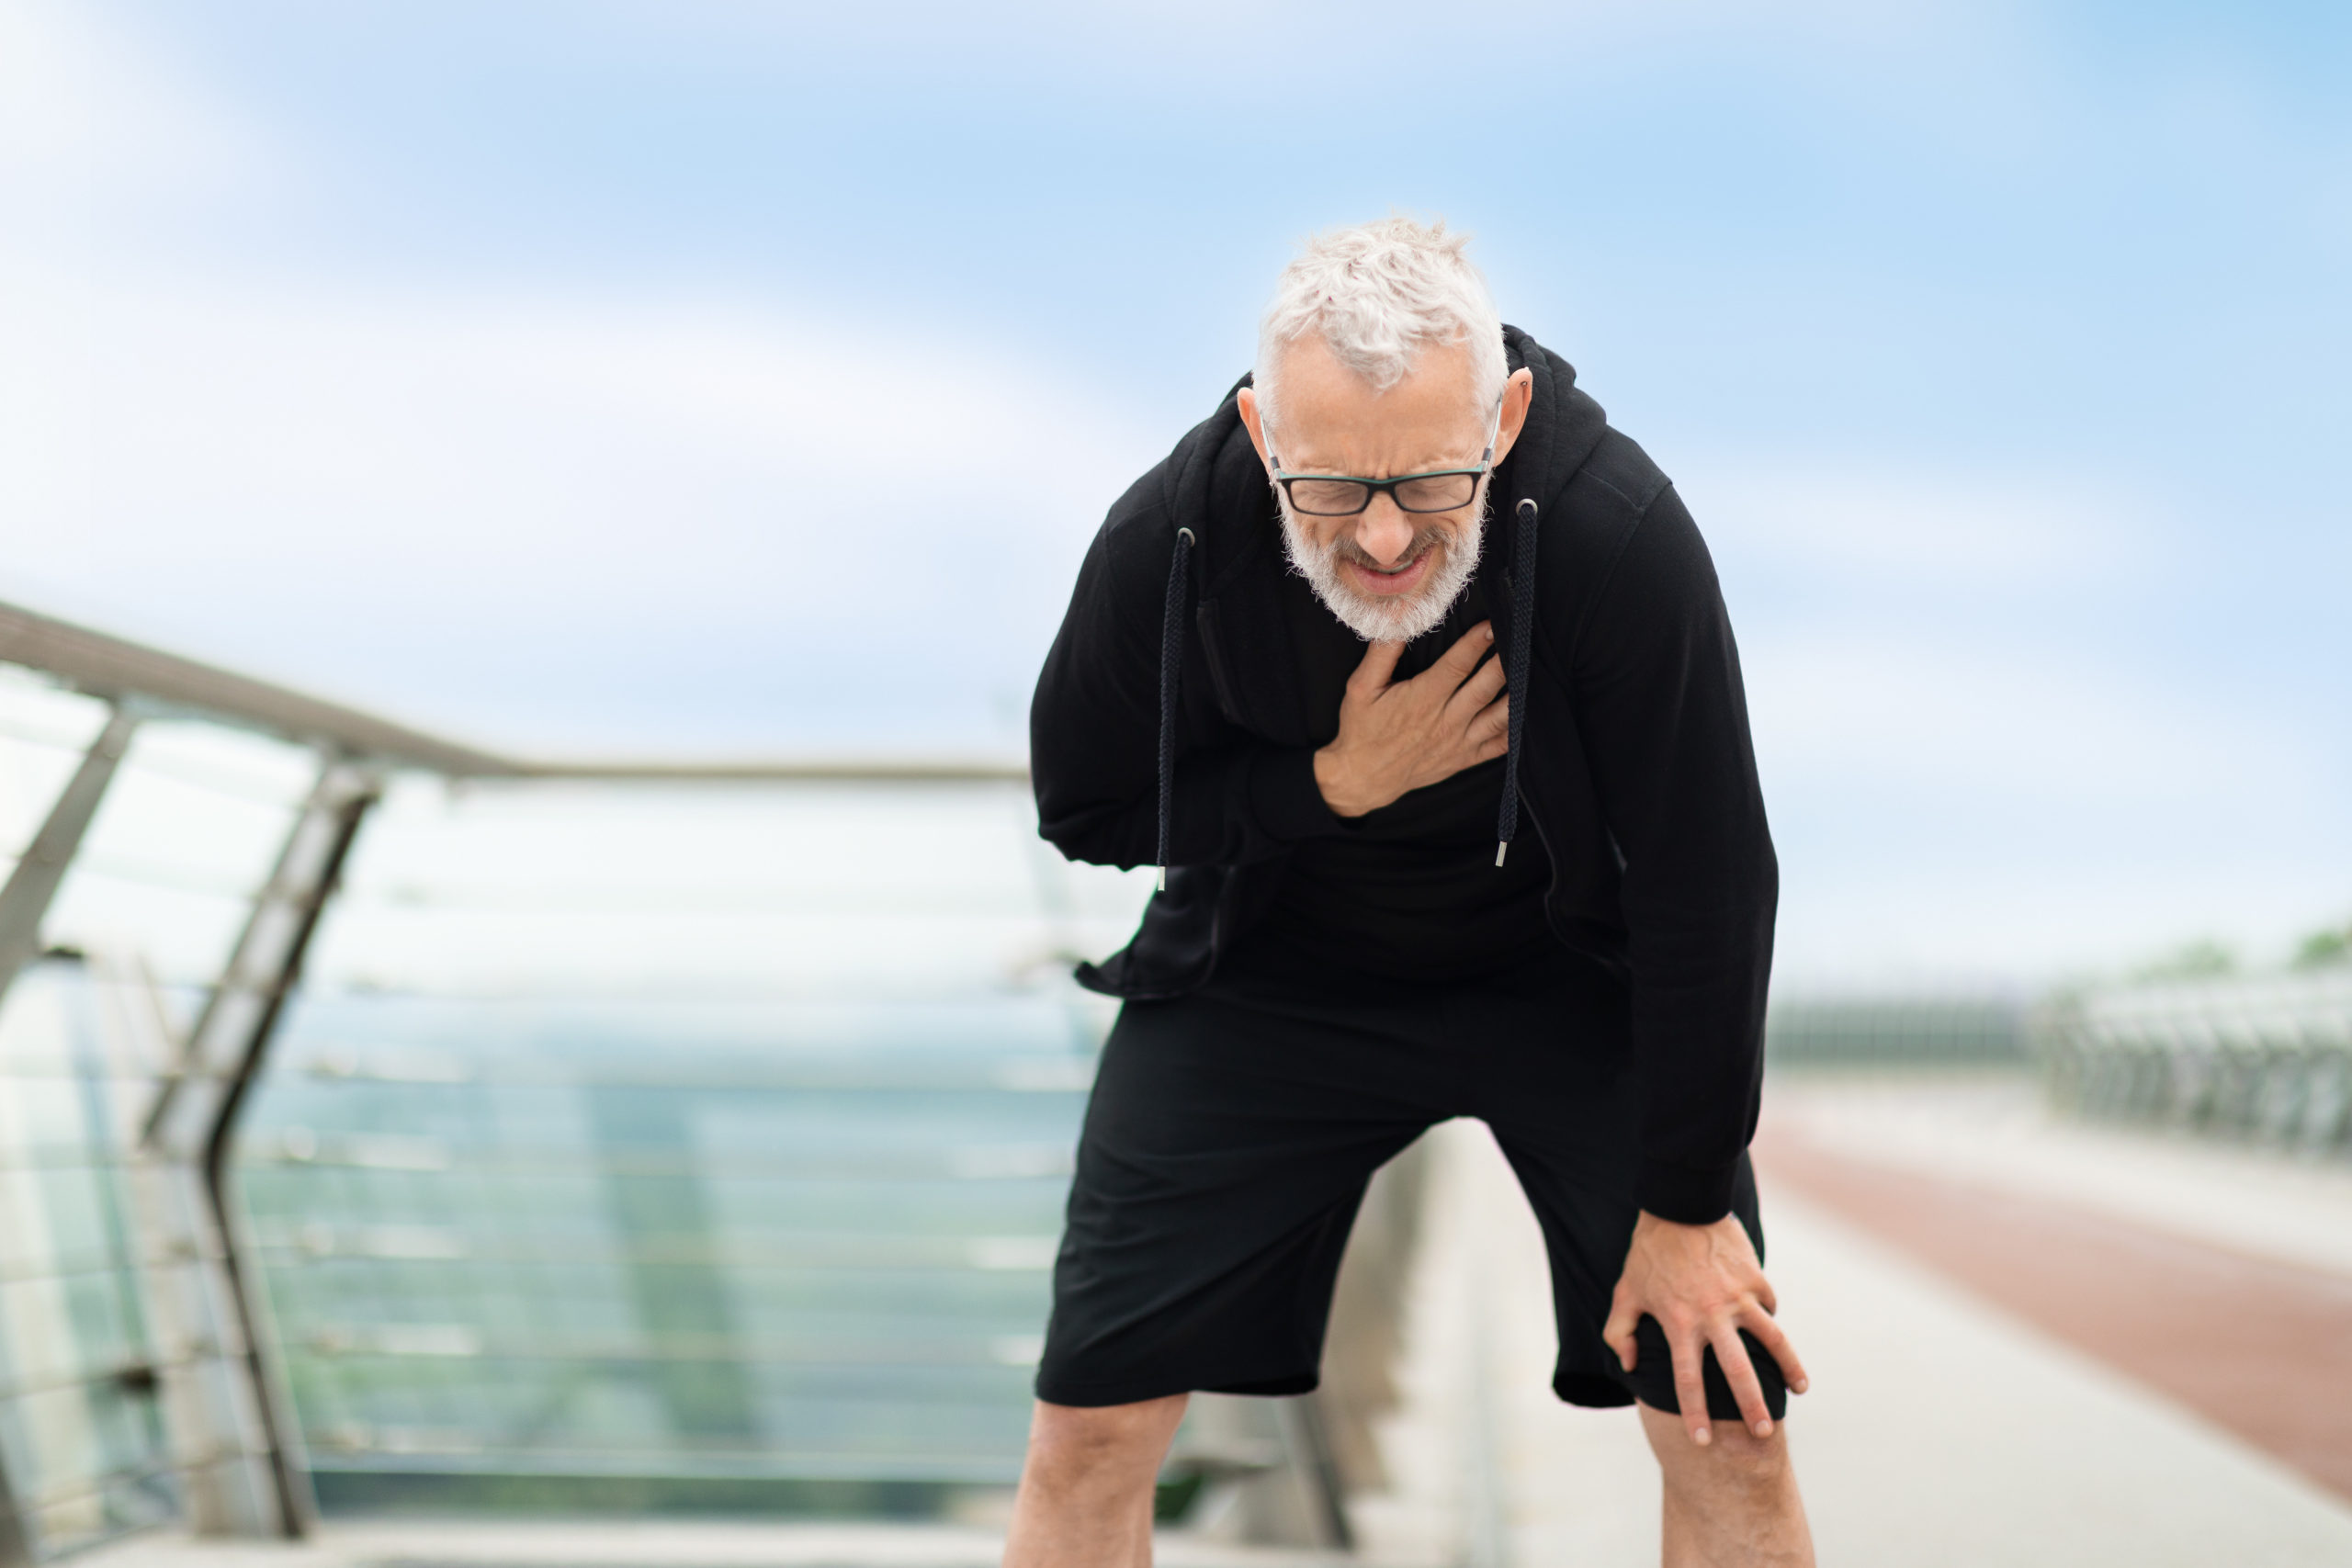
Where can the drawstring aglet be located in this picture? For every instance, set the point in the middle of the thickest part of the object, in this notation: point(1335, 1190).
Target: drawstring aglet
point(1161, 882)
point(1501, 847)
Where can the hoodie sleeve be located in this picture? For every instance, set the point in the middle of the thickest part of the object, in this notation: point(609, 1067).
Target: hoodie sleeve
point(1666, 726)
point(1094, 726)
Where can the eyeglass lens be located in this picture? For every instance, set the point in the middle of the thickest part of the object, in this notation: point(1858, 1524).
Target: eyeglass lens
point(1344, 498)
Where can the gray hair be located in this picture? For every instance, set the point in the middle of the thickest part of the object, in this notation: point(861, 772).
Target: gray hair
point(1380, 293)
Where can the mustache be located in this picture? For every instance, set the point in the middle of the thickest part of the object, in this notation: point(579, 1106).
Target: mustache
point(1429, 536)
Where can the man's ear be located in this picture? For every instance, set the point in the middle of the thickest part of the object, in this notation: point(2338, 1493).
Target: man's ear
point(1518, 392)
point(1247, 402)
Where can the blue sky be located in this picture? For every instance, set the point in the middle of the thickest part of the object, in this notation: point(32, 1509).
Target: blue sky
point(732, 378)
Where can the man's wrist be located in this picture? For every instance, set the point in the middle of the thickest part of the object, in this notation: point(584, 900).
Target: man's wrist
point(1331, 779)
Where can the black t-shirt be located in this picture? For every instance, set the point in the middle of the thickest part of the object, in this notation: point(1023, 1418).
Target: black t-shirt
point(1411, 890)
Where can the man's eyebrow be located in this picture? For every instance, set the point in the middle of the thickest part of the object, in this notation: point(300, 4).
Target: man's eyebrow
point(1427, 465)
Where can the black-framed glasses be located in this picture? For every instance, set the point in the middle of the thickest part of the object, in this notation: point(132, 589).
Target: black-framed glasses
point(1344, 495)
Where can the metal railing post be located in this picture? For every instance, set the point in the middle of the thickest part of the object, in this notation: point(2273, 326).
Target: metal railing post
point(232, 1405)
point(16, 1543)
point(41, 868)
point(1307, 1445)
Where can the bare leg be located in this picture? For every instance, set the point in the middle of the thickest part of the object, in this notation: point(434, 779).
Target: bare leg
point(1086, 1487)
point(1732, 1502)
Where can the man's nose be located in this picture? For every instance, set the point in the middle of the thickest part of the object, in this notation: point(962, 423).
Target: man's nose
point(1384, 532)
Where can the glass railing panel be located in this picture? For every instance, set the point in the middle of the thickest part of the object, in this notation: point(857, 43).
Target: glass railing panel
point(712, 890)
point(640, 1242)
point(187, 833)
point(80, 1434)
point(698, 1134)
point(145, 913)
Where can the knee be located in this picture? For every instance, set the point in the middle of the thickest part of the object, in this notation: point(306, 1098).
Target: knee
point(1734, 1459)
point(1738, 1460)
point(1069, 1442)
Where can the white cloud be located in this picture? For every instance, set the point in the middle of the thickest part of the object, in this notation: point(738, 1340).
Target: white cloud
point(2021, 920)
point(589, 440)
point(88, 108)
point(1863, 518)
point(1984, 753)
point(533, 486)
point(238, 447)
point(2008, 725)
point(531, 476)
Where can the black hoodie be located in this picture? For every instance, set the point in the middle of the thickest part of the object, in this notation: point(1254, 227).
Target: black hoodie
point(1630, 747)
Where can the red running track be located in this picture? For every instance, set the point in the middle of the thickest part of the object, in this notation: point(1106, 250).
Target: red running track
point(2261, 1347)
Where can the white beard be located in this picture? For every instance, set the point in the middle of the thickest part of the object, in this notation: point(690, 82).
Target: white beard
point(1378, 617)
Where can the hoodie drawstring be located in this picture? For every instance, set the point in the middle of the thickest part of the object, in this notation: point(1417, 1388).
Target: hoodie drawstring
point(1523, 644)
point(1172, 661)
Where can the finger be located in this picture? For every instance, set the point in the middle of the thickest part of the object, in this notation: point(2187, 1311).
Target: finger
point(1776, 1344)
point(1378, 664)
point(1493, 721)
point(1690, 1388)
point(1484, 684)
point(1731, 1353)
point(1463, 657)
point(1618, 1333)
point(1489, 735)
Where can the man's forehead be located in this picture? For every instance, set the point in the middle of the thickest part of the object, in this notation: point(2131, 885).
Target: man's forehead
point(1323, 402)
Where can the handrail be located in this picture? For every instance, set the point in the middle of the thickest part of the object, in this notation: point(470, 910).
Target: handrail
point(2267, 1058)
point(114, 669)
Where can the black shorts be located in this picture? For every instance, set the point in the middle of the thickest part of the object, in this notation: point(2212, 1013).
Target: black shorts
point(1230, 1135)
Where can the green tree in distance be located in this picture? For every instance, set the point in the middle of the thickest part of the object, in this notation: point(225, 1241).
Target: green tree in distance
point(2324, 950)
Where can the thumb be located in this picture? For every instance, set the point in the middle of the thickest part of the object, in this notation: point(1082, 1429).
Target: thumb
point(1618, 1332)
point(1379, 663)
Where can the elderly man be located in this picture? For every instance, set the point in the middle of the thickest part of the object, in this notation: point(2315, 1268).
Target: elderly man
point(1412, 676)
